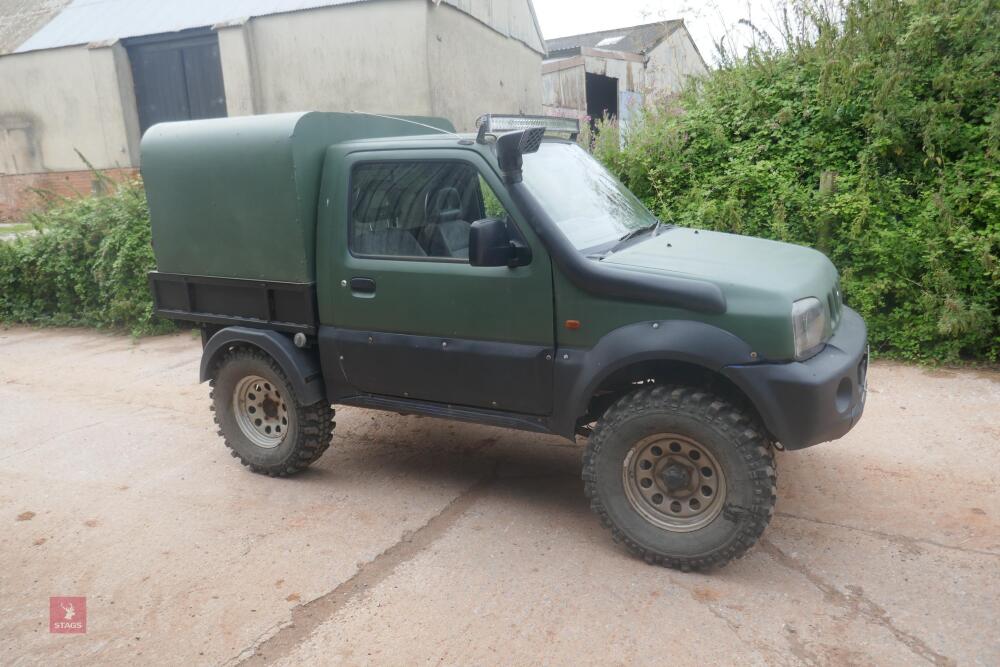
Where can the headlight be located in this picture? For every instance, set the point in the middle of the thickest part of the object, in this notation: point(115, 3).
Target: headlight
point(808, 325)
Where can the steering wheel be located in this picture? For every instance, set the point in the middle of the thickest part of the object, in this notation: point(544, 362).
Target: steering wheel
point(443, 206)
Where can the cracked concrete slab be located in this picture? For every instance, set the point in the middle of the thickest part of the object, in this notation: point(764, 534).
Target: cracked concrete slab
point(415, 540)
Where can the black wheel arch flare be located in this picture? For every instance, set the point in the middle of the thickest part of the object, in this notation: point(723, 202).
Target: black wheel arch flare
point(301, 365)
point(580, 372)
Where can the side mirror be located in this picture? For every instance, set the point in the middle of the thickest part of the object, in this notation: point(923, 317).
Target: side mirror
point(490, 244)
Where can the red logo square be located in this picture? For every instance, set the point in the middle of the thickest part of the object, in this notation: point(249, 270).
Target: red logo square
point(67, 614)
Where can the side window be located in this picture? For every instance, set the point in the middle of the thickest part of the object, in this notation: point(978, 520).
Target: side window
point(417, 209)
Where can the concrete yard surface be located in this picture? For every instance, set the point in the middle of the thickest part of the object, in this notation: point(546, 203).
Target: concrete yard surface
point(418, 541)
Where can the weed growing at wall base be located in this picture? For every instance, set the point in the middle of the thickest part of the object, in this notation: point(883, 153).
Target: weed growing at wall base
point(86, 266)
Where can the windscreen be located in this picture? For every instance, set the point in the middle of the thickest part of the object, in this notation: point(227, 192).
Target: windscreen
point(588, 204)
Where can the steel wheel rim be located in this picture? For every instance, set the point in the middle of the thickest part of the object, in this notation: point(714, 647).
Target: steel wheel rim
point(261, 411)
point(674, 482)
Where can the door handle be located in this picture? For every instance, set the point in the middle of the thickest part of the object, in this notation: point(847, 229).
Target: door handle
point(363, 285)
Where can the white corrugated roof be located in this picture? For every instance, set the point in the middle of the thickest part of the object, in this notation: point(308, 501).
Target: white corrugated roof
point(86, 21)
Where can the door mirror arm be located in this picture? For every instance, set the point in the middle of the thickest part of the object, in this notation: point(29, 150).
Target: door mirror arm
point(520, 254)
point(490, 244)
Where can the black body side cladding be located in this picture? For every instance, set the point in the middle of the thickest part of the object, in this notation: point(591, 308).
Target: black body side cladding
point(813, 401)
point(301, 365)
point(485, 374)
point(518, 377)
point(596, 278)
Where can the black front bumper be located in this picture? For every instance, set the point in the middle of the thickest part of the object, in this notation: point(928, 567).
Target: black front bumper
point(813, 401)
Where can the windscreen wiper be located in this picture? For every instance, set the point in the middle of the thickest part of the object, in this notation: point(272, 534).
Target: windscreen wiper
point(637, 232)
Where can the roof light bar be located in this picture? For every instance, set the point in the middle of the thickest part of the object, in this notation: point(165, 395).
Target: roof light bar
point(500, 123)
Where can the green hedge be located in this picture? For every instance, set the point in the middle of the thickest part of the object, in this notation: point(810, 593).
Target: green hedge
point(86, 265)
point(901, 99)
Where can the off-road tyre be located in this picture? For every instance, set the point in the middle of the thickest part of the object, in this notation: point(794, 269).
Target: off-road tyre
point(730, 434)
point(308, 431)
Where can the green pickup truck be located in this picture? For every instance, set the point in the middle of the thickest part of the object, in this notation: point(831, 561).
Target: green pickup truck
point(502, 278)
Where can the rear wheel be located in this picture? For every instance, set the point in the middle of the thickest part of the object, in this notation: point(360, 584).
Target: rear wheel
point(261, 419)
point(683, 477)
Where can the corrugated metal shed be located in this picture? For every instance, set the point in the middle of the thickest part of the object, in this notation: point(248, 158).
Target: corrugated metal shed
point(633, 39)
point(87, 21)
point(19, 19)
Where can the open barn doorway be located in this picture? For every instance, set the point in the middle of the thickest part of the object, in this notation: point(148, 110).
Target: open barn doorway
point(602, 97)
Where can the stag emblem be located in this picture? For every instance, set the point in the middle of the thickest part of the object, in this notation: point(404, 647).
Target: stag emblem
point(67, 614)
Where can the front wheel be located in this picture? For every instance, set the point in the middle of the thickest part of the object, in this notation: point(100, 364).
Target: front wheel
point(683, 477)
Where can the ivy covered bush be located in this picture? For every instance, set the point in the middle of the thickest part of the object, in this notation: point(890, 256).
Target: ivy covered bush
point(898, 101)
point(87, 264)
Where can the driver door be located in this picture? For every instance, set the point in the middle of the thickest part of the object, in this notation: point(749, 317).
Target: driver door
point(408, 316)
